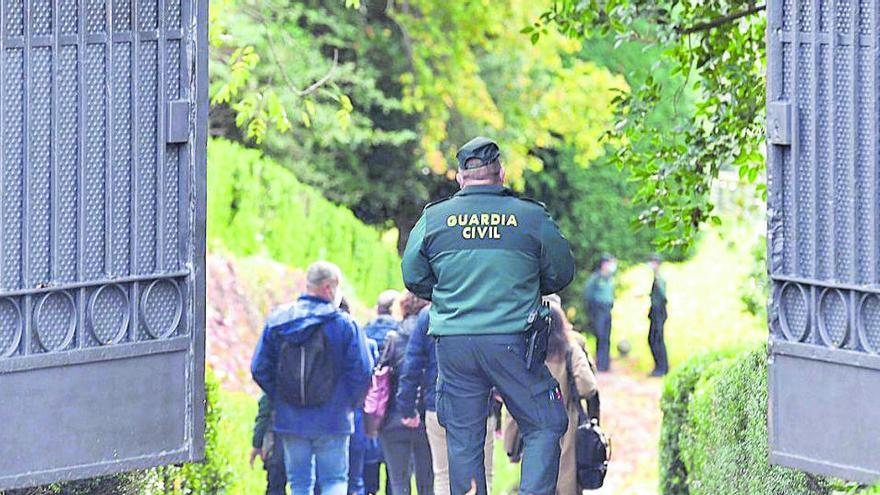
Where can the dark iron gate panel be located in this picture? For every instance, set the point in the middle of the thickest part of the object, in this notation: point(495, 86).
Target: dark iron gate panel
point(103, 113)
point(823, 228)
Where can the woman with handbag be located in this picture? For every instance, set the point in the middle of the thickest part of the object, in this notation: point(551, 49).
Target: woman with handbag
point(568, 363)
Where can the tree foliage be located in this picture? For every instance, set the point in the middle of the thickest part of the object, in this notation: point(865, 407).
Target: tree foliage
point(476, 71)
point(376, 142)
point(593, 207)
point(256, 76)
point(718, 47)
point(412, 80)
point(416, 79)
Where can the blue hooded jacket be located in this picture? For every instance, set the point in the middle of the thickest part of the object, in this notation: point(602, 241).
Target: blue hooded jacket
point(379, 327)
point(419, 373)
point(351, 359)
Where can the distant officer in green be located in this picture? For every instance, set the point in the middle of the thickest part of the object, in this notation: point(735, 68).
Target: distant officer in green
point(657, 316)
point(599, 299)
point(485, 257)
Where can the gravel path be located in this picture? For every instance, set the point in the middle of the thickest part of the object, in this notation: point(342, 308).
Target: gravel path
point(631, 415)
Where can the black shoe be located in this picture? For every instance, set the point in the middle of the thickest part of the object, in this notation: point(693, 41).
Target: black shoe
point(657, 373)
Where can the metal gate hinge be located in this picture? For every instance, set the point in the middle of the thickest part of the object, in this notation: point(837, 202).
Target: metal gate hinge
point(177, 117)
point(779, 122)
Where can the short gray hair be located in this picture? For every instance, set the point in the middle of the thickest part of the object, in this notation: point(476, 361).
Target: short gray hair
point(320, 272)
point(489, 171)
point(386, 300)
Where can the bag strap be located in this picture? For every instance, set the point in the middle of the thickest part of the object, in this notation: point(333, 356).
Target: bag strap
point(388, 352)
point(572, 387)
point(593, 403)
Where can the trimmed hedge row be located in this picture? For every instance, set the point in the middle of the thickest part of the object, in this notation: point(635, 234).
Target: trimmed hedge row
point(677, 389)
point(256, 206)
point(714, 434)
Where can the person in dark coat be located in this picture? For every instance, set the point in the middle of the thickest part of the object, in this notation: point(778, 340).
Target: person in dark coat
point(360, 444)
point(268, 450)
point(406, 445)
point(376, 330)
point(418, 381)
point(384, 322)
point(657, 316)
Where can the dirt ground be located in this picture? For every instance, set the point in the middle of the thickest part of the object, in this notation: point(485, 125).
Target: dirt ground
point(631, 415)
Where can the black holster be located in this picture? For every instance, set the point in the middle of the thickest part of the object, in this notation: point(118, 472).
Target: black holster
point(537, 335)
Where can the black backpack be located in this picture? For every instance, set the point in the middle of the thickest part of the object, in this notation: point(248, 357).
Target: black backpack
point(306, 375)
point(592, 446)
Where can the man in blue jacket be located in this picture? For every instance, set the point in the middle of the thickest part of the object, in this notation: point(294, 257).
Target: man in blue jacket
point(316, 436)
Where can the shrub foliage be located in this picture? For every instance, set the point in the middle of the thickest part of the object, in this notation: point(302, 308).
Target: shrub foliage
point(677, 391)
point(256, 206)
point(714, 435)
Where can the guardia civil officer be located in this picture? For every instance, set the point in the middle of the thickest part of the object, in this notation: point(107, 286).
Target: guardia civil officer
point(485, 257)
point(599, 299)
point(657, 316)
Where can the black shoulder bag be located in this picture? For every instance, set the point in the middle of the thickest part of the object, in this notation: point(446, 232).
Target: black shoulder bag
point(591, 445)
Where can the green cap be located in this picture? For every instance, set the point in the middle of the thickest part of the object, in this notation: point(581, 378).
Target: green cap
point(484, 149)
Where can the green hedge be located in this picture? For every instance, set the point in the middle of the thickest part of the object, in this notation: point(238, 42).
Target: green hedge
point(726, 442)
point(714, 438)
point(678, 387)
point(256, 206)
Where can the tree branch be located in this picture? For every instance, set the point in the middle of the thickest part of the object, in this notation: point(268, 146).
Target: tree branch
point(320, 82)
point(705, 26)
point(314, 86)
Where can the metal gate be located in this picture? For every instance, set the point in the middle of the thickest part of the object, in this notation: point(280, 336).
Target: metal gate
point(823, 226)
point(103, 111)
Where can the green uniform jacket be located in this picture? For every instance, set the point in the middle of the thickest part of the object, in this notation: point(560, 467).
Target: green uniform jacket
point(484, 257)
point(599, 289)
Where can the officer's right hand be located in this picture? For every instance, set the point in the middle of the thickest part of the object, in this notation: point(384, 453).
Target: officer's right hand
point(411, 422)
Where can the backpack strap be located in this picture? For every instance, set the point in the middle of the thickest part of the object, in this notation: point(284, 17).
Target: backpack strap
point(572, 387)
point(388, 352)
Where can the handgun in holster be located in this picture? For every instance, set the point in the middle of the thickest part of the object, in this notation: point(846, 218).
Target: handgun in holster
point(537, 334)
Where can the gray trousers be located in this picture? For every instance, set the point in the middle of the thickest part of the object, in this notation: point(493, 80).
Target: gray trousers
point(407, 450)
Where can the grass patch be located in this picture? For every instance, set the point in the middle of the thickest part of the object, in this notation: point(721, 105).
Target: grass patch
point(236, 426)
point(705, 311)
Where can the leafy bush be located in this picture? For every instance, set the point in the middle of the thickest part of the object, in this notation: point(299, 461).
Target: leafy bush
point(720, 446)
point(209, 477)
point(677, 390)
point(257, 206)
